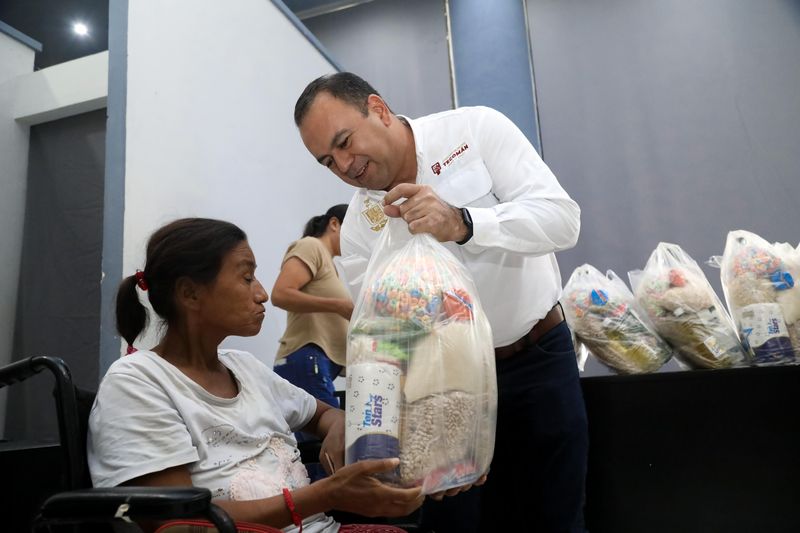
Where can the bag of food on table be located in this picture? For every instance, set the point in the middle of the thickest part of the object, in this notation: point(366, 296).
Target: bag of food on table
point(685, 310)
point(421, 381)
point(758, 279)
point(603, 314)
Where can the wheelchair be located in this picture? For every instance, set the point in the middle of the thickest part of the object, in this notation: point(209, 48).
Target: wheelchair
point(83, 508)
point(79, 507)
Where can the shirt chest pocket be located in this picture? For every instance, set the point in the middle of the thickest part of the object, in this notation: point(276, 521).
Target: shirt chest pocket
point(469, 185)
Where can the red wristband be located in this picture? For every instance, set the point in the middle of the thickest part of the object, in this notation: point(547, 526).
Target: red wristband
point(296, 518)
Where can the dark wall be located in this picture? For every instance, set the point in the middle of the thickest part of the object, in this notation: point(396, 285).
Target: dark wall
point(50, 22)
point(59, 296)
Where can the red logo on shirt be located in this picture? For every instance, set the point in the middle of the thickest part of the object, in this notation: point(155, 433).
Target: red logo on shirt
point(437, 168)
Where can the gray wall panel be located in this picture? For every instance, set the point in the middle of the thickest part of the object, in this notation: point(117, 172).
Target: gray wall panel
point(670, 120)
point(58, 306)
point(399, 47)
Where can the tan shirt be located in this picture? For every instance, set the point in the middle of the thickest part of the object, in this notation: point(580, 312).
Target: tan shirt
point(326, 330)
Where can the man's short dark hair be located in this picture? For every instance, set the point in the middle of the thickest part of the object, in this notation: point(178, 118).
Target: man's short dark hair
point(345, 86)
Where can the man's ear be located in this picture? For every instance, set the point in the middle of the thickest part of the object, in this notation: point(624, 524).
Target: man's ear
point(187, 293)
point(376, 105)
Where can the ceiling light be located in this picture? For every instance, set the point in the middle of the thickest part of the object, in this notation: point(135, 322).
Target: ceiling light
point(80, 29)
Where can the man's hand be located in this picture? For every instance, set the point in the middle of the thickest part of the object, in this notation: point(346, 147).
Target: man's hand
point(425, 212)
point(452, 492)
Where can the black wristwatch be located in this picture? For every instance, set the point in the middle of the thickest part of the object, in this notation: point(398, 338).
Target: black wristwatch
point(468, 223)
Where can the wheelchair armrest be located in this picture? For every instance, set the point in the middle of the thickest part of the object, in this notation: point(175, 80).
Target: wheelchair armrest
point(19, 371)
point(134, 503)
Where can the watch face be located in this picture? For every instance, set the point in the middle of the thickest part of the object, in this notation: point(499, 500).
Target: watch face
point(468, 223)
point(467, 218)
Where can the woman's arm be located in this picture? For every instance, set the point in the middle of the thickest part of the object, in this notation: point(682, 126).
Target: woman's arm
point(352, 489)
point(271, 511)
point(328, 424)
point(286, 293)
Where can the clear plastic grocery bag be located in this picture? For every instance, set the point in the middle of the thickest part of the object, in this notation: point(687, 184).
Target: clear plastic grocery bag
point(685, 310)
point(603, 314)
point(758, 279)
point(421, 381)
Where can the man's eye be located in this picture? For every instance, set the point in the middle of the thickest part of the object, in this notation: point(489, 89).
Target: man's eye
point(345, 142)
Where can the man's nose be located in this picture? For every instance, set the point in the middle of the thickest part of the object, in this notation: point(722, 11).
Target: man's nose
point(342, 160)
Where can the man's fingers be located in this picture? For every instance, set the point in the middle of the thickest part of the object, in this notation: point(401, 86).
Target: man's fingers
point(392, 211)
point(404, 190)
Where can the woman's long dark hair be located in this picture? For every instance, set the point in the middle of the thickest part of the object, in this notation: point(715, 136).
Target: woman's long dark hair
point(190, 247)
point(317, 225)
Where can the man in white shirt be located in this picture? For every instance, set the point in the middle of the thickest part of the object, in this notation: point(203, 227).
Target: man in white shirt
point(471, 179)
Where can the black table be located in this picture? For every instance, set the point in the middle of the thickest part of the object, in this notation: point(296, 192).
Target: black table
point(700, 451)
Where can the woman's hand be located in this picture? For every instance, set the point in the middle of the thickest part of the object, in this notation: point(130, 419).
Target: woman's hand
point(354, 489)
point(345, 308)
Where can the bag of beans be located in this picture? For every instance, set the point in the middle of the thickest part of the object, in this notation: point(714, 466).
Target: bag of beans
point(685, 310)
point(421, 381)
point(758, 279)
point(602, 312)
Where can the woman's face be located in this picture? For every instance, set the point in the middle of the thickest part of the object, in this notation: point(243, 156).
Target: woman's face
point(234, 302)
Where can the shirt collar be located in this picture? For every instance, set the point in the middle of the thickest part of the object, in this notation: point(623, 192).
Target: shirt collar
point(417, 133)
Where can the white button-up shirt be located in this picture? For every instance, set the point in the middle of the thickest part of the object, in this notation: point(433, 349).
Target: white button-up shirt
point(477, 158)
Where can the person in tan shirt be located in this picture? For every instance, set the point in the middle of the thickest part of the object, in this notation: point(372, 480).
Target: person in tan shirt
point(312, 349)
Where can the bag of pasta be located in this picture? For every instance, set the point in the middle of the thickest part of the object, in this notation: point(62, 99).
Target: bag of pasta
point(685, 310)
point(421, 381)
point(758, 279)
point(603, 314)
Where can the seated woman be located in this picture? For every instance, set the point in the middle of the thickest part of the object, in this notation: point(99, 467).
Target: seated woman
point(190, 413)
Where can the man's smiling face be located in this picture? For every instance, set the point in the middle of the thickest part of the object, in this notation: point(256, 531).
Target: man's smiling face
point(354, 146)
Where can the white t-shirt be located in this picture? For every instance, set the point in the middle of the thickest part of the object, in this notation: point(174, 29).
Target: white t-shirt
point(149, 416)
point(477, 158)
